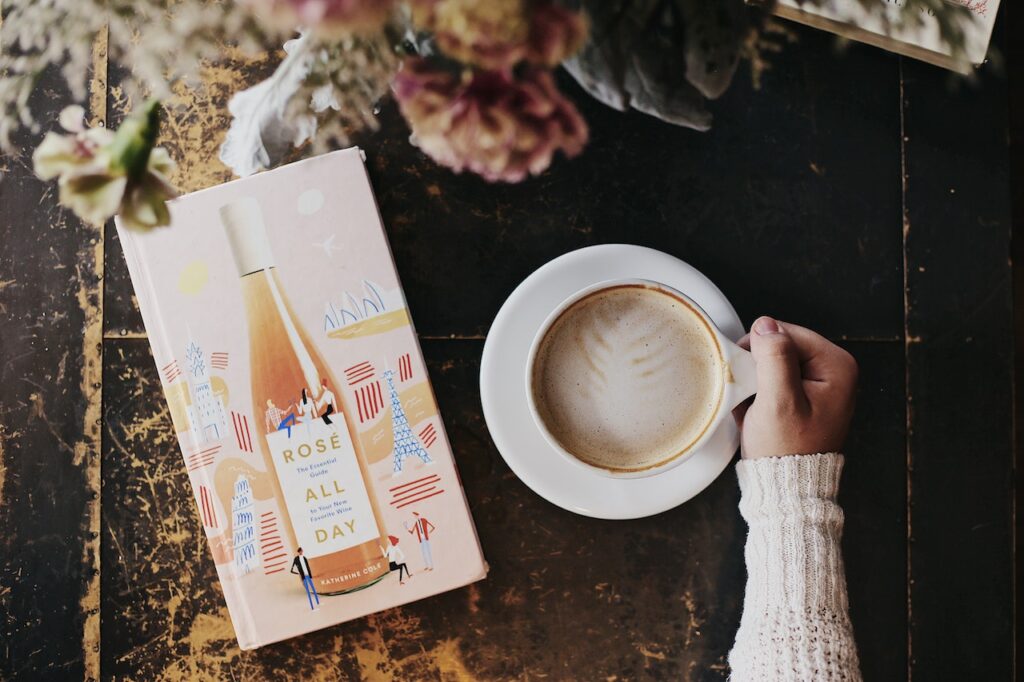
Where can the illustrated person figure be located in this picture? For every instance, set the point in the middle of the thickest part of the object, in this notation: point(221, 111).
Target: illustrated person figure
point(306, 408)
point(795, 626)
point(423, 528)
point(274, 416)
point(301, 566)
point(279, 418)
point(396, 558)
point(326, 400)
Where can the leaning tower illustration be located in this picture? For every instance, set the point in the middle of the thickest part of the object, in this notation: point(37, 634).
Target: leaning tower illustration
point(405, 442)
point(243, 519)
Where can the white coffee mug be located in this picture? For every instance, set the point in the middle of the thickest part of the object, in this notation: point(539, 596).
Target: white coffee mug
point(738, 379)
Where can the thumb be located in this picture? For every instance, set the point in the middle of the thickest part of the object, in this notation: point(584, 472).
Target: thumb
point(778, 365)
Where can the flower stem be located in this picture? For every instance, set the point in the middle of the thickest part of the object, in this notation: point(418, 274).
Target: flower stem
point(130, 148)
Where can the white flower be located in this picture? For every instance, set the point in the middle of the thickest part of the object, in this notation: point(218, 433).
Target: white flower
point(72, 118)
point(101, 173)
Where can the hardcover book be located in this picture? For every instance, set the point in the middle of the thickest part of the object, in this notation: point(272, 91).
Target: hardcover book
point(307, 424)
point(891, 29)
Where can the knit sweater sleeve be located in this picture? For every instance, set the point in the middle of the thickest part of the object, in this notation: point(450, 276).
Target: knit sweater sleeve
point(795, 624)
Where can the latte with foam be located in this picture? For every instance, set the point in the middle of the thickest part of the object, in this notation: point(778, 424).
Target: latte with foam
point(628, 378)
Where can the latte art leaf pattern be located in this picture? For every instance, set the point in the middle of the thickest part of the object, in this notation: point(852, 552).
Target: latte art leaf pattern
point(627, 378)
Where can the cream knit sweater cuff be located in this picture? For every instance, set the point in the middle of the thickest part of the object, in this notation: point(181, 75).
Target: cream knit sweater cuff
point(795, 624)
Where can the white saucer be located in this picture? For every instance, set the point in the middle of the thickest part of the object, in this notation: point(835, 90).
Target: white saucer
point(503, 386)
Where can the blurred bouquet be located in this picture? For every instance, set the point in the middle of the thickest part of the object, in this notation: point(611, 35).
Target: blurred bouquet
point(473, 78)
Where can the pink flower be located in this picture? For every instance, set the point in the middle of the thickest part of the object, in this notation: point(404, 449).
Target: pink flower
point(497, 34)
point(555, 34)
point(488, 122)
point(323, 16)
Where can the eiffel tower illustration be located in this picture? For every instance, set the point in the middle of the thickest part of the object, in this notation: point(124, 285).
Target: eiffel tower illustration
point(405, 442)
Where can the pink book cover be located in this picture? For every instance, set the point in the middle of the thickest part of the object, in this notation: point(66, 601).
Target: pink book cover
point(301, 401)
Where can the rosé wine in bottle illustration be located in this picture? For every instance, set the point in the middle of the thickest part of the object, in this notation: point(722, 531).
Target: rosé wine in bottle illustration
point(320, 475)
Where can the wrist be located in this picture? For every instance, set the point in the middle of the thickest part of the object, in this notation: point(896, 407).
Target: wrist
point(775, 448)
point(795, 528)
point(788, 485)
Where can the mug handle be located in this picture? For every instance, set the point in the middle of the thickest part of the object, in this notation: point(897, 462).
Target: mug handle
point(741, 374)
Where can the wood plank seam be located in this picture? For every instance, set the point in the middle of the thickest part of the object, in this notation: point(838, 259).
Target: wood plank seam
point(90, 298)
point(907, 341)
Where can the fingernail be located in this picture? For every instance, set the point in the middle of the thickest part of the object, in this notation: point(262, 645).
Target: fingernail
point(766, 325)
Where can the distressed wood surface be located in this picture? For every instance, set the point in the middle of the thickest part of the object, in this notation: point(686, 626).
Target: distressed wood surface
point(1015, 53)
point(821, 198)
point(959, 353)
point(50, 391)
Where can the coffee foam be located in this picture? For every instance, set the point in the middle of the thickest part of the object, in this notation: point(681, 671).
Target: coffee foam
point(628, 378)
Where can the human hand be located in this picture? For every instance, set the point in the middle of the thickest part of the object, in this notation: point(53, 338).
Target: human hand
point(805, 392)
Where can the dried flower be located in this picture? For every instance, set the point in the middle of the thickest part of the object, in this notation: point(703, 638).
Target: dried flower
point(488, 122)
point(144, 204)
point(101, 173)
point(556, 33)
point(499, 34)
point(160, 43)
point(323, 16)
point(59, 154)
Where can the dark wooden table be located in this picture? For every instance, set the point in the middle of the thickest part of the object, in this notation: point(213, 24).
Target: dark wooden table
point(858, 193)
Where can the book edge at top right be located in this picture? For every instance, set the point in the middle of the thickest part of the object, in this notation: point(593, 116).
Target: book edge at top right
point(849, 19)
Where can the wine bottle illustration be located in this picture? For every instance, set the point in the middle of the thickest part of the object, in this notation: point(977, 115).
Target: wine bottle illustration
point(320, 475)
